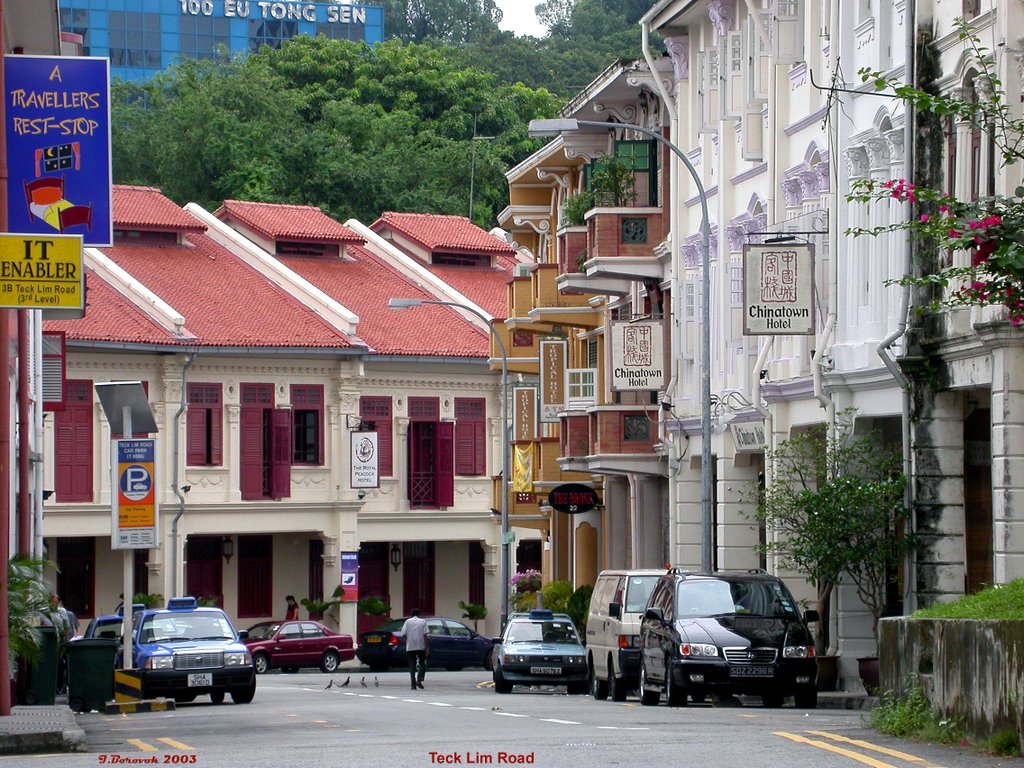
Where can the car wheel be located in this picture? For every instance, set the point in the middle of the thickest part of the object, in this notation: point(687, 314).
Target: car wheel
point(616, 685)
point(329, 662)
point(262, 663)
point(489, 660)
point(806, 698)
point(772, 700)
point(244, 695)
point(217, 697)
point(674, 695)
point(598, 687)
point(77, 704)
point(501, 685)
point(649, 697)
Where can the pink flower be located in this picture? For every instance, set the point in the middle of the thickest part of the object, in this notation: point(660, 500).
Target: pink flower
point(924, 218)
point(953, 233)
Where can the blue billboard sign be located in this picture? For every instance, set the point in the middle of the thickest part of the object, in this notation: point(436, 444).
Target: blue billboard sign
point(58, 147)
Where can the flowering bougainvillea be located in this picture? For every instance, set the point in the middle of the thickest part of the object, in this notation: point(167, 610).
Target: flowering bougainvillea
point(989, 229)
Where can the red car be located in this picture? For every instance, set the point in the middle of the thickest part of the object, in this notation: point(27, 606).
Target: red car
point(293, 644)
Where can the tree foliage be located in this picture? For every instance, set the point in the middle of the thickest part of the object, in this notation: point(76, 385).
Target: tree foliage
point(352, 129)
point(836, 508)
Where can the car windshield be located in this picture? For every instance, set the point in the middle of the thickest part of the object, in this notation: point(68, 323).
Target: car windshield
point(638, 589)
point(263, 631)
point(697, 599)
point(105, 630)
point(541, 632)
point(184, 626)
point(392, 626)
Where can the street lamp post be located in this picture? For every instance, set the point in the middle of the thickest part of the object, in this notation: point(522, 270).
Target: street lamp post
point(559, 126)
point(506, 540)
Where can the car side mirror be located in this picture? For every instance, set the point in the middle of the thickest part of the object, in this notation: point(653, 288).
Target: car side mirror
point(615, 610)
point(495, 641)
point(811, 616)
point(243, 634)
point(654, 614)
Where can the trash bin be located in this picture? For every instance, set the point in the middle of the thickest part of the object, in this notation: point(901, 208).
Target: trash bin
point(42, 675)
point(90, 673)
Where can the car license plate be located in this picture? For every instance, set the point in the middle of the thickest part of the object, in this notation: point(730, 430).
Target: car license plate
point(200, 680)
point(750, 671)
point(372, 640)
point(545, 670)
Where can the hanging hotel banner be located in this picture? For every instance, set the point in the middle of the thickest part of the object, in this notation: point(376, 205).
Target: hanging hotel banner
point(748, 437)
point(57, 125)
point(365, 458)
point(638, 356)
point(134, 518)
point(553, 356)
point(524, 414)
point(350, 576)
point(522, 468)
point(778, 289)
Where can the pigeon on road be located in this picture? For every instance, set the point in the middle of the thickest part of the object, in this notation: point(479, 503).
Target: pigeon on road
point(347, 681)
point(376, 682)
point(329, 684)
point(363, 682)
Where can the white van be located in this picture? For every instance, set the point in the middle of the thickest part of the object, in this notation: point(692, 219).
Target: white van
point(613, 624)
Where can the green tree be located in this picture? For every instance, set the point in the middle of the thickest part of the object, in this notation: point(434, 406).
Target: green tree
point(836, 507)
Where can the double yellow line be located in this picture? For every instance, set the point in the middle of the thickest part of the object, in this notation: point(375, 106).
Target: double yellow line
point(857, 756)
point(145, 746)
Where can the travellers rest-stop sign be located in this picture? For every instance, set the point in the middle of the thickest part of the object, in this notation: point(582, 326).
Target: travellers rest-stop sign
point(573, 498)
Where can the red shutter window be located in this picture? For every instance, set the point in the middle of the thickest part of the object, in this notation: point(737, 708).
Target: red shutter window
point(444, 464)
point(204, 426)
point(316, 569)
point(469, 436)
point(308, 424)
point(73, 444)
point(255, 576)
point(281, 454)
point(377, 411)
point(422, 443)
point(254, 429)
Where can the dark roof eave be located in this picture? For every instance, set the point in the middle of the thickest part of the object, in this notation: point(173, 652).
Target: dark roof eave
point(177, 347)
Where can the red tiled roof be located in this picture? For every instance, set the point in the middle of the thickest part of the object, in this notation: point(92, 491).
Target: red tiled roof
point(147, 208)
point(291, 222)
point(443, 233)
point(487, 288)
point(110, 317)
point(365, 283)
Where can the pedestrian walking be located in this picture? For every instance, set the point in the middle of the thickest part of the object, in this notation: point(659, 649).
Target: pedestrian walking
point(416, 647)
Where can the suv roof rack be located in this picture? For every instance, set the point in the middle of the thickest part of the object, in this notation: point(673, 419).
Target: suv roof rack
point(753, 571)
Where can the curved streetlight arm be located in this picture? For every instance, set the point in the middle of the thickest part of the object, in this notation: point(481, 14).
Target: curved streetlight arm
point(567, 125)
point(506, 443)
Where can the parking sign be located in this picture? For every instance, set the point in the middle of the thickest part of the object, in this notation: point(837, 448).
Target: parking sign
point(135, 511)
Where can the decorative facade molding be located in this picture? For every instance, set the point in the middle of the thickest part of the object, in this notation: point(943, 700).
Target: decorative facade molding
point(856, 158)
point(561, 178)
point(722, 14)
point(798, 76)
point(679, 51)
point(792, 191)
point(625, 113)
point(895, 138)
point(878, 153)
point(539, 223)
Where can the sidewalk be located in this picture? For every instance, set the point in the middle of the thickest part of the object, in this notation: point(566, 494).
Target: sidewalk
point(41, 729)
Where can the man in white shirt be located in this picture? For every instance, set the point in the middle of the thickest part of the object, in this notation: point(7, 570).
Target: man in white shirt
point(415, 632)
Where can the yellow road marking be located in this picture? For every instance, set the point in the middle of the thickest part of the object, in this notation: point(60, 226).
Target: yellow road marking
point(141, 745)
point(176, 744)
point(837, 750)
point(874, 748)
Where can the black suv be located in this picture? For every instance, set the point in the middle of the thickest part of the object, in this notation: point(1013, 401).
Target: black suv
point(726, 633)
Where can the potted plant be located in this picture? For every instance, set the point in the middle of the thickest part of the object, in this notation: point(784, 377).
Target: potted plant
point(474, 612)
point(29, 608)
point(318, 608)
point(836, 505)
point(575, 208)
point(612, 183)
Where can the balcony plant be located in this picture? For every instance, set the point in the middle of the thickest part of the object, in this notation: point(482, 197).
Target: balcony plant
point(575, 208)
point(612, 183)
point(989, 229)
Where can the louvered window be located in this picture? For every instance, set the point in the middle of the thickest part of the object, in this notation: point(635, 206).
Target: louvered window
point(470, 436)
point(375, 413)
point(204, 426)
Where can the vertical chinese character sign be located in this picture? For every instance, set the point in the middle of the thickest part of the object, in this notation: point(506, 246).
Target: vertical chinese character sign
point(57, 126)
point(638, 356)
point(778, 290)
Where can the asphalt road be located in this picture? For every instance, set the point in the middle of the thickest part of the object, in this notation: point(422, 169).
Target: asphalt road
point(459, 720)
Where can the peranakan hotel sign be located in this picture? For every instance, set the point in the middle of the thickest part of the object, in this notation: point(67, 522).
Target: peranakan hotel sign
point(638, 356)
point(778, 290)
